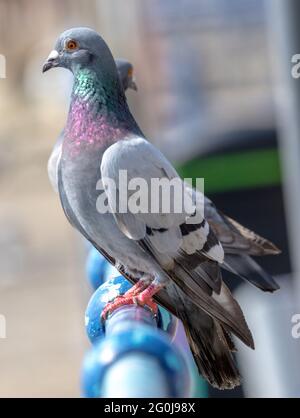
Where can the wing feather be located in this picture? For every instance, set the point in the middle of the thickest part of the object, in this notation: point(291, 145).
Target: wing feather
point(187, 252)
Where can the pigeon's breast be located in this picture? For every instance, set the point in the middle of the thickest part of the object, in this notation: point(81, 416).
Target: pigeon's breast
point(79, 174)
point(88, 129)
point(87, 136)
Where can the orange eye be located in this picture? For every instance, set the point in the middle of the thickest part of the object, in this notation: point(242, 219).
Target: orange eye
point(71, 45)
point(130, 72)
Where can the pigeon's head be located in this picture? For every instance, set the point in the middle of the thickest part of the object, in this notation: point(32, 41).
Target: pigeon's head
point(125, 70)
point(79, 48)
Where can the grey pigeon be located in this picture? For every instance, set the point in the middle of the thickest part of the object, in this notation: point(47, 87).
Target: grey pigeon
point(125, 70)
point(165, 255)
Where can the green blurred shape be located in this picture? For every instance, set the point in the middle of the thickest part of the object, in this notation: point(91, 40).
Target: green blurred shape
point(238, 170)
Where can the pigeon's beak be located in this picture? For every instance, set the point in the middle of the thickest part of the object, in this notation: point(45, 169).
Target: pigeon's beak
point(132, 84)
point(52, 61)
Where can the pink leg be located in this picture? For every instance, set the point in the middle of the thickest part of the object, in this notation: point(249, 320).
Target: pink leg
point(137, 288)
point(131, 297)
point(146, 295)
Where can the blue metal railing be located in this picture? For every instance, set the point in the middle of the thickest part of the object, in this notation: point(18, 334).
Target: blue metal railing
point(133, 354)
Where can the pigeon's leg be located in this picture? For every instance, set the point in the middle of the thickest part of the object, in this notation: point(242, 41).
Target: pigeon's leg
point(140, 285)
point(130, 297)
point(145, 297)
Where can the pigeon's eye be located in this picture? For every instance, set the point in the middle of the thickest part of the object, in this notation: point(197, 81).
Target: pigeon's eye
point(130, 72)
point(71, 45)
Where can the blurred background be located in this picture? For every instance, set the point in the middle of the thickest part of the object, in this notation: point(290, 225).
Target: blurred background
point(216, 95)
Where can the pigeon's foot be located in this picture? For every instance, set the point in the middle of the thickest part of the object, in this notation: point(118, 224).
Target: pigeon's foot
point(149, 303)
point(140, 294)
point(145, 297)
point(116, 304)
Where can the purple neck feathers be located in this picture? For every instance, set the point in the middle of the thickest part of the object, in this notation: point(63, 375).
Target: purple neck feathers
point(98, 115)
point(86, 126)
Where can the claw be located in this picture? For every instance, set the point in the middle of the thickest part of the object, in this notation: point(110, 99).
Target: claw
point(128, 300)
point(148, 304)
point(140, 294)
point(115, 304)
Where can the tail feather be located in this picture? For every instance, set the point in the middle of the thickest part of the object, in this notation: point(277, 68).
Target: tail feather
point(258, 246)
point(210, 344)
point(229, 340)
point(212, 355)
point(222, 307)
point(246, 268)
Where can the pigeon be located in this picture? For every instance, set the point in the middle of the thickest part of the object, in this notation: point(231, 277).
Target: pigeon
point(125, 70)
point(174, 258)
